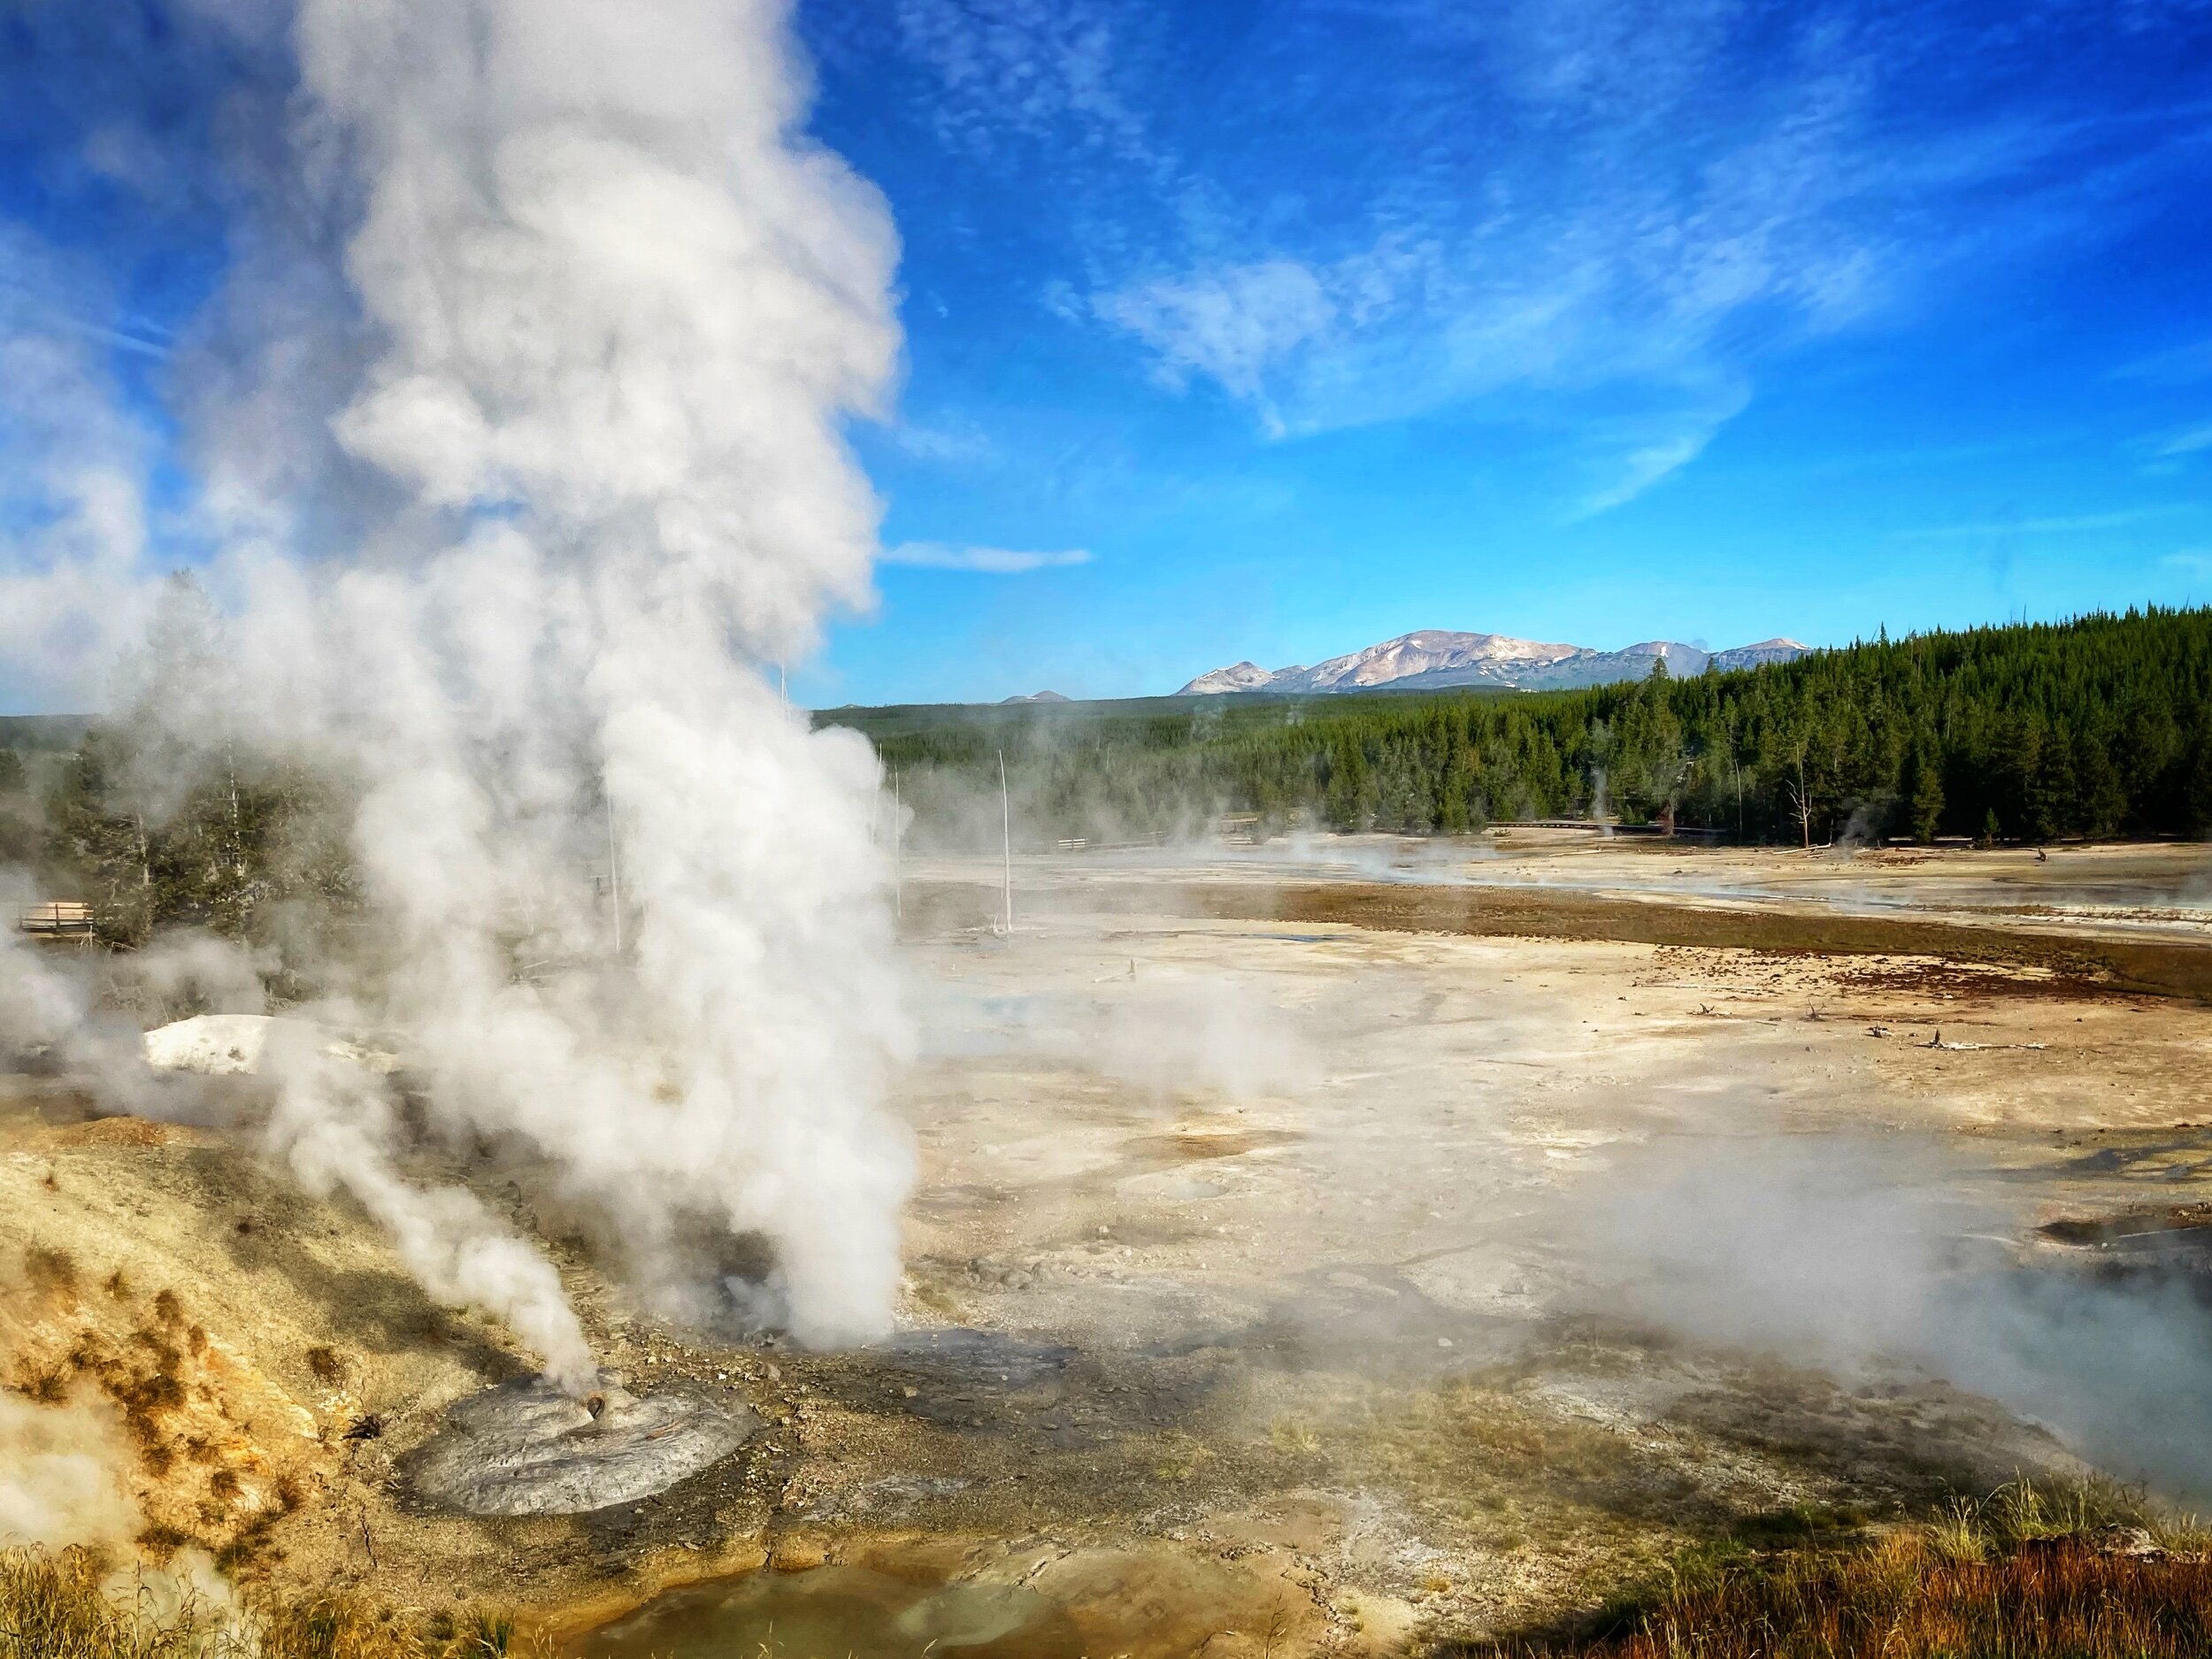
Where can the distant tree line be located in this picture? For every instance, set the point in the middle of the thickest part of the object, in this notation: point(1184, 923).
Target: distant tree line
point(2095, 727)
point(245, 849)
point(157, 819)
point(2098, 727)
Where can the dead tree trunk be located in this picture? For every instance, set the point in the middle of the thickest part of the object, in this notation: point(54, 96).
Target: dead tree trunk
point(1801, 804)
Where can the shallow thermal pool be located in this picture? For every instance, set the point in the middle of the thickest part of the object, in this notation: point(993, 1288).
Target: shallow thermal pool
point(835, 1611)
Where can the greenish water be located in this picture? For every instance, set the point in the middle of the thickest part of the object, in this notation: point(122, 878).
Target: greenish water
point(837, 1613)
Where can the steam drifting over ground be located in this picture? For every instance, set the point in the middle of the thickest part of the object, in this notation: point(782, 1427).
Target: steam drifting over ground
point(1869, 1257)
point(589, 464)
point(58, 1476)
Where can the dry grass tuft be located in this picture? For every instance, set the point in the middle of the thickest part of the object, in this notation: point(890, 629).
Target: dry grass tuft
point(52, 1275)
point(52, 1607)
point(66, 1606)
point(1904, 1598)
point(2029, 1574)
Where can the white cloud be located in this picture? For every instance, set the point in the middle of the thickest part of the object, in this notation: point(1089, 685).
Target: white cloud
point(2078, 524)
point(1594, 263)
point(1028, 67)
point(1613, 251)
point(2190, 442)
point(989, 561)
point(1233, 323)
point(1648, 463)
point(1661, 196)
point(2177, 365)
point(947, 442)
point(30, 309)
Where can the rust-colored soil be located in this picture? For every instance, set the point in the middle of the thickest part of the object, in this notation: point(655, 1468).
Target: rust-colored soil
point(2077, 962)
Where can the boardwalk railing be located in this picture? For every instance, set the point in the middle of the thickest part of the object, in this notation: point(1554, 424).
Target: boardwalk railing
point(56, 918)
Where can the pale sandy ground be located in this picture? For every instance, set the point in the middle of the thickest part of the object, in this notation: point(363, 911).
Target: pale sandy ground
point(1341, 1148)
point(2125, 889)
point(1269, 1282)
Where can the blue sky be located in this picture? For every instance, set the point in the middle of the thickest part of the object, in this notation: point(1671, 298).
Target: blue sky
point(1315, 322)
point(1269, 328)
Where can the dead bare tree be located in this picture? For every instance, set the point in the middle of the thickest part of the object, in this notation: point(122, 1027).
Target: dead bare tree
point(1800, 804)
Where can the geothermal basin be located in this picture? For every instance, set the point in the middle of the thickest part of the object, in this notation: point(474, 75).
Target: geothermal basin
point(1292, 1265)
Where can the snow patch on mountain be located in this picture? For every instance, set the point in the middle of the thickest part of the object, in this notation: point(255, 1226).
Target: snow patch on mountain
point(1435, 659)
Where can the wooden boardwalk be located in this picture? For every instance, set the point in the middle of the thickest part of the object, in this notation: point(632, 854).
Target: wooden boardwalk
point(56, 918)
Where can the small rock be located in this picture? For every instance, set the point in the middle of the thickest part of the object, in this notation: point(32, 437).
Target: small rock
point(2125, 1540)
point(2105, 1541)
point(797, 1555)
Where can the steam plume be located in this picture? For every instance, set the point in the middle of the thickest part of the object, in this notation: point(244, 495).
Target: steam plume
point(624, 306)
point(58, 1476)
point(1863, 1255)
point(620, 308)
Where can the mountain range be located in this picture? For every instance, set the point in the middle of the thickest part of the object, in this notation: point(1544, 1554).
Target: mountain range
point(1432, 658)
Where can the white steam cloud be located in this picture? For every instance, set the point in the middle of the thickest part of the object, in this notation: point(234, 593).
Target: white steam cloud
point(59, 1484)
point(618, 308)
point(1868, 1257)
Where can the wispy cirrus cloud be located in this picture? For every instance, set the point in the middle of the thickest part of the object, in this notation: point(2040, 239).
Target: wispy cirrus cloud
point(1034, 67)
point(948, 442)
point(2193, 441)
point(1584, 256)
point(1341, 212)
point(988, 560)
point(23, 310)
point(2070, 524)
point(2176, 366)
point(1676, 439)
point(1233, 324)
